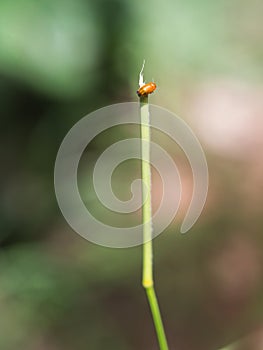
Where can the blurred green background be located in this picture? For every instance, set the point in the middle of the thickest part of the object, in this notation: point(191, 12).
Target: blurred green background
point(60, 60)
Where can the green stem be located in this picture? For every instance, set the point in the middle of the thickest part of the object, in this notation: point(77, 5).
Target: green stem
point(147, 273)
point(229, 347)
point(157, 319)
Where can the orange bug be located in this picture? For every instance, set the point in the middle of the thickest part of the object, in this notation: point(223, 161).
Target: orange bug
point(146, 89)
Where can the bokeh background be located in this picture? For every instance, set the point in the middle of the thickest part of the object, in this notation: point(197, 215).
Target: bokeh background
point(60, 60)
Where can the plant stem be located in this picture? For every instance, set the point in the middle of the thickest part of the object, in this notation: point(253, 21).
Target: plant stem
point(229, 347)
point(147, 273)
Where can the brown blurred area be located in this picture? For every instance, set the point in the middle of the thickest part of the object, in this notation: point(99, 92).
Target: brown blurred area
point(58, 62)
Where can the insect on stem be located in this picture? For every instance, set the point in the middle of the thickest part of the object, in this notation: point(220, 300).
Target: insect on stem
point(147, 268)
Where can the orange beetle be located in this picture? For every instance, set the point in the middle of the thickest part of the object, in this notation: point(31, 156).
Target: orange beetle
point(146, 89)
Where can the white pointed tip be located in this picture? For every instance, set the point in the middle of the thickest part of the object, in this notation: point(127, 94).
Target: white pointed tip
point(141, 80)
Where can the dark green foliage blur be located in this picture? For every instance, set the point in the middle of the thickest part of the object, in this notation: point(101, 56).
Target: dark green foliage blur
point(60, 60)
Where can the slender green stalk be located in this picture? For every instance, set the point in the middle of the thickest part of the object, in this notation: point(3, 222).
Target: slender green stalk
point(147, 273)
point(229, 347)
